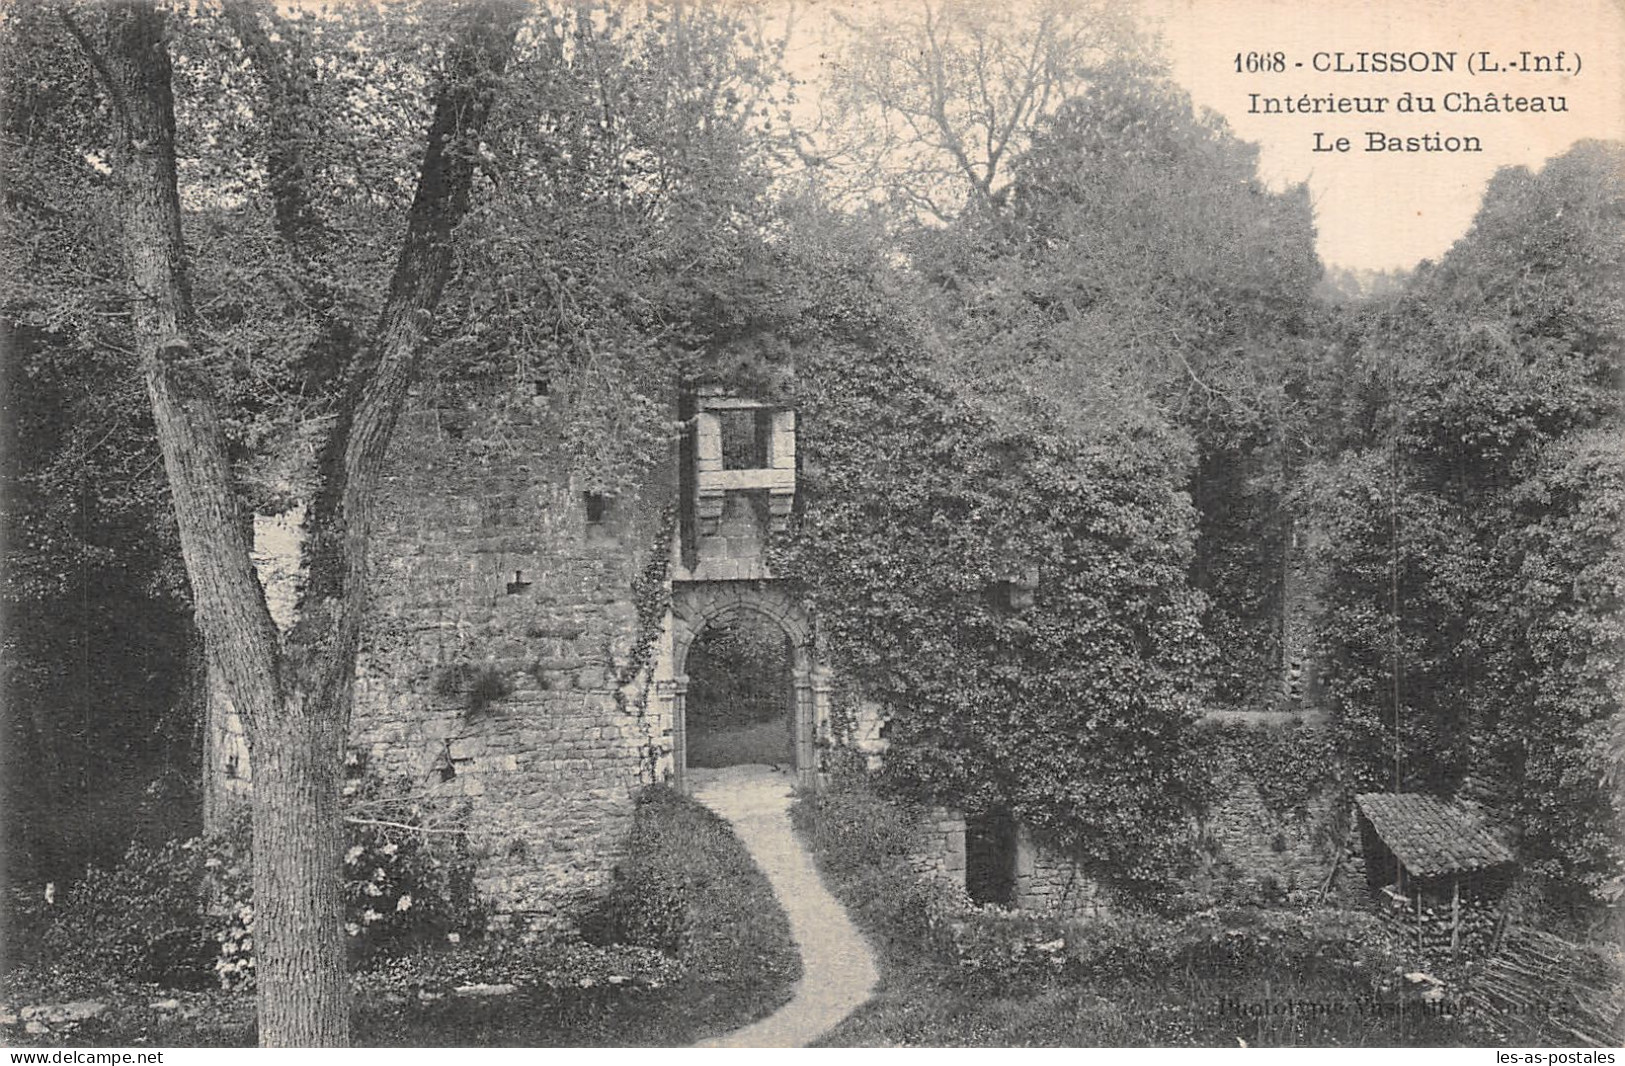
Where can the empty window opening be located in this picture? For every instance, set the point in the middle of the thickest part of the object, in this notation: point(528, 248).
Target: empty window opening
point(990, 858)
point(745, 438)
point(1013, 592)
point(738, 708)
point(597, 508)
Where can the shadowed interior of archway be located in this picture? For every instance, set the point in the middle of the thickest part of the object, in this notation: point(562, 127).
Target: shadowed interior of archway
point(739, 694)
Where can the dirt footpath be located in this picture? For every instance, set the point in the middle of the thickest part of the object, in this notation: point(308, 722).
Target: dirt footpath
point(837, 969)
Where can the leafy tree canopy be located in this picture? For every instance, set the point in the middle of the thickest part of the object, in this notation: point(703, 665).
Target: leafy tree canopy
point(1470, 506)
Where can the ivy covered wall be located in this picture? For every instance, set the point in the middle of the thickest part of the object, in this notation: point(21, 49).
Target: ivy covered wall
point(1277, 822)
point(1015, 604)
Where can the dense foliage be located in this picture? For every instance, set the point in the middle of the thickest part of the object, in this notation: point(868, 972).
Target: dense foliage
point(689, 943)
point(1015, 602)
point(669, 894)
point(514, 989)
point(957, 974)
point(1470, 562)
point(863, 843)
point(181, 913)
point(737, 675)
point(1288, 766)
point(997, 526)
point(98, 676)
point(100, 680)
point(1143, 264)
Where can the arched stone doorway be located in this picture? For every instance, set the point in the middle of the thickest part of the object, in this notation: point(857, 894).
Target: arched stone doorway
point(738, 708)
point(697, 606)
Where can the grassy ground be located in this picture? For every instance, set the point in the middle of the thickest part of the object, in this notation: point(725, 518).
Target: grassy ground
point(1107, 987)
point(688, 883)
point(919, 1006)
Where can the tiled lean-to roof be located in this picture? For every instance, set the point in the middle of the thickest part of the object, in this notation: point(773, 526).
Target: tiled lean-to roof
point(1432, 836)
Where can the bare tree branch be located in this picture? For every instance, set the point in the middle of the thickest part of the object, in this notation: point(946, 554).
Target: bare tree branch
point(937, 105)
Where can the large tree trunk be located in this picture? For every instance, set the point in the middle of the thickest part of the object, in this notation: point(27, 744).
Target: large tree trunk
point(299, 949)
point(230, 605)
point(294, 699)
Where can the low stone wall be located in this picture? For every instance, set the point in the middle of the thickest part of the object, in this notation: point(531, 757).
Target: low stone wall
point(1251, 851)
point(1043, 881)
point(1049, 883)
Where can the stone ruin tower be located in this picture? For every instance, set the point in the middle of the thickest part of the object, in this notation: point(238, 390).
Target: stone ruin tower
point(528, 638)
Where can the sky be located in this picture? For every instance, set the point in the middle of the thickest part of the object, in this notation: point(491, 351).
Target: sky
point(1388, 209)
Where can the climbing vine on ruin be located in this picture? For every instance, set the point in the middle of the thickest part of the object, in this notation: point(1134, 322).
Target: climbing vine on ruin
point(651, 596)
point(1289, 765)
point(1016, 603)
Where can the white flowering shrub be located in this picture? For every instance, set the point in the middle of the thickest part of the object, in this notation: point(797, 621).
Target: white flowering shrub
point(408, 873)
point(182, 914)
point(408, 880)
point(141, 920)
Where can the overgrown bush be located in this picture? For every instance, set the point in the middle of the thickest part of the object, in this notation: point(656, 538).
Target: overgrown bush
point(689, 943)
point(181, 915)
point(1010, 952)
point(1015, 598)
point(144, 919)
point(863, 842)
point(689, 888)
point(649, 906)
point(1006, 952)
point(408, 871)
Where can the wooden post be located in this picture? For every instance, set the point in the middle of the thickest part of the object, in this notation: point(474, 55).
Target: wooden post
point(1418, 890)
point(1455, 916)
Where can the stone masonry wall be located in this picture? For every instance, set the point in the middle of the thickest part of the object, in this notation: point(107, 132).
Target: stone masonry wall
point(868, 734)
point(1047, 882)
point(940, 848)
point(490, 577)
point(1300, 682)
point(227, 775)
point(1043, 881)
point(1255, 853)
